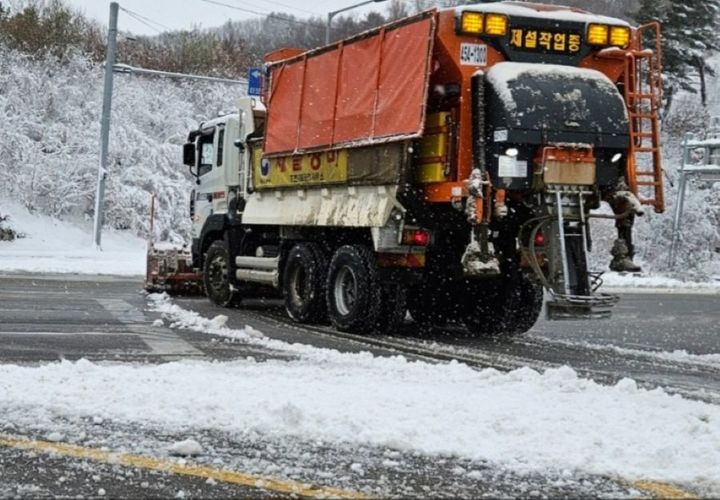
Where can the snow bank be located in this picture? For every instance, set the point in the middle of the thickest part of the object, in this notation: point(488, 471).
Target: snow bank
point(52, 246)
point(355, 398)
point(506, 418)
point(645, 283)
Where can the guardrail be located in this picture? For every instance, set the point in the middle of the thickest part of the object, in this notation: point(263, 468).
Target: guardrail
point(708, 170)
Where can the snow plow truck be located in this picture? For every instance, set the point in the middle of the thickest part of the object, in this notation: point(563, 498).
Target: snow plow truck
point(446, 164)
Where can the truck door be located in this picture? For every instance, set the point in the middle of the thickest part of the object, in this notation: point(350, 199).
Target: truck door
point(211, 185)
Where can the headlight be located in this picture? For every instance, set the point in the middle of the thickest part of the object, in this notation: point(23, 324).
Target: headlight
point(472, 22)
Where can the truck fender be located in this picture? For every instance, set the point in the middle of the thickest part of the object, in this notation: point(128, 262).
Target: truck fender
point(213, 229)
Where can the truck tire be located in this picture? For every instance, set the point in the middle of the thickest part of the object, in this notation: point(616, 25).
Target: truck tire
point(392, 310)
point(510, 306)
point(434, 303)
point(354, 297)
point(303, 286)
point(216, 275)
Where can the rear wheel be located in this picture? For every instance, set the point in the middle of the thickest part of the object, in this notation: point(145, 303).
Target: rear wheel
point(434, 302)
point(304, 283)
point(507, 306)
point(392, 309)
point(354, 297)
point(216, 275)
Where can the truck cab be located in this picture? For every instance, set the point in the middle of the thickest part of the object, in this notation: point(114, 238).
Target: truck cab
point(219, 159)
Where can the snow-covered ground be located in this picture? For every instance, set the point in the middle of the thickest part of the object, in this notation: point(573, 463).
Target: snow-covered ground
point(53, 246)
point(358, 399)
point(648, 283)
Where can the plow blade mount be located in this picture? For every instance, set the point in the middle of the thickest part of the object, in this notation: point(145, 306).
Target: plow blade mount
point(170, 270)
point(573, 307)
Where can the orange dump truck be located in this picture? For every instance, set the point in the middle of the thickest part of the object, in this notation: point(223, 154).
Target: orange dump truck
point(446, 164)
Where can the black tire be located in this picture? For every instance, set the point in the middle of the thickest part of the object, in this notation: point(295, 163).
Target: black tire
point(433, 303)
point(509, 306)
point(216, 275)
point(530, 295)
point(354, 297)
point(392, 309)
point(303, 286)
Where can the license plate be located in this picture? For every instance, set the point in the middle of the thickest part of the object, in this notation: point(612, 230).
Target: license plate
point(473, 54)
point(541, 40)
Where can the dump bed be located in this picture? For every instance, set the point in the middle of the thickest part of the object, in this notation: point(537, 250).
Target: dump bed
point(362, 91)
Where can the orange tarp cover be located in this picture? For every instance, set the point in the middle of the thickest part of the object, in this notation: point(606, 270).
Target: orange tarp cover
point(364, 91)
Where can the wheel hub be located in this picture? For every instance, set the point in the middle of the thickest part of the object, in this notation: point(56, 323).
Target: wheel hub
point(345, 291)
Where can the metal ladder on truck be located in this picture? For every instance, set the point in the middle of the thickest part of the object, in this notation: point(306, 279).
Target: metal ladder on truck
point(643, 96)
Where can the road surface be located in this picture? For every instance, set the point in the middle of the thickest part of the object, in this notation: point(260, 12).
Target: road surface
point(106, 319)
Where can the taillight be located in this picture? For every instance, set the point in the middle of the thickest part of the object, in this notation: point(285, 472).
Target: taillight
point(416, 237)
point(539, 239)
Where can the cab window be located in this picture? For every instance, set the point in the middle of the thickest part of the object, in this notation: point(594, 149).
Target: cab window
point(207, 150)
point(221, 141)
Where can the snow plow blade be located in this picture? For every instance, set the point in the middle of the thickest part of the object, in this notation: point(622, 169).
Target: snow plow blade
point(573, 307)
point(170, 270)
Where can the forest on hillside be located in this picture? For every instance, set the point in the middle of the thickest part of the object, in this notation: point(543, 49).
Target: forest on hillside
point(51, 91)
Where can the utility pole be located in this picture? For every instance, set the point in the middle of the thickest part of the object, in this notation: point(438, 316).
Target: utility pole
point(105, 122)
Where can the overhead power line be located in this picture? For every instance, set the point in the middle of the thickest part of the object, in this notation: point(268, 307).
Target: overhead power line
point(257, 13)
point(290, 7)
point(145, 20)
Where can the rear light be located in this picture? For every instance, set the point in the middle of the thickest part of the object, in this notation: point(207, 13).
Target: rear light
point(416, 237)
point(539, 240)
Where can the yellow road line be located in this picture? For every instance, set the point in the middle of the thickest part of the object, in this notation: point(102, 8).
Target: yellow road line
point(150, 463)
point(661, 490)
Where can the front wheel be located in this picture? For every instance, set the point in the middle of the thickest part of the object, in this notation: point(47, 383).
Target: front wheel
point(216, 275)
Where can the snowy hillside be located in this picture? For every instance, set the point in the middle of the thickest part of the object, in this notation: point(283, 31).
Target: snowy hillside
point(50, 124)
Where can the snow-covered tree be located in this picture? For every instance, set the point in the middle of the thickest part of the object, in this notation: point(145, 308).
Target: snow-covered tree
point(690, 34)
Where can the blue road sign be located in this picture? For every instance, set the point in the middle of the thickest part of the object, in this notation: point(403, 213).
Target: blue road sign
point(255, 81)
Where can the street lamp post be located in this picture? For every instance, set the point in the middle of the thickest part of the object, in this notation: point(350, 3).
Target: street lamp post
point(336, 12)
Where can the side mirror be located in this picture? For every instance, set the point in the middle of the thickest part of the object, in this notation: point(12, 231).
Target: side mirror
point(189, 154)
point(239, 144)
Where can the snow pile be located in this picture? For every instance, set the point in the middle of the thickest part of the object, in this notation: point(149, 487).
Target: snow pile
point(53, 246)
point(357, 399)
point(641, 282)
point(186, 448)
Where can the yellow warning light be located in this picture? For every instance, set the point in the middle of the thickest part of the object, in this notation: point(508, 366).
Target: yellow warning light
point(496, 25)
point(472, 22)
point(620, 36)
point(597, 34)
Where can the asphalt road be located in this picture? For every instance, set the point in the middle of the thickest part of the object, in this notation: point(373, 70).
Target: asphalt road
point(108, 320)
